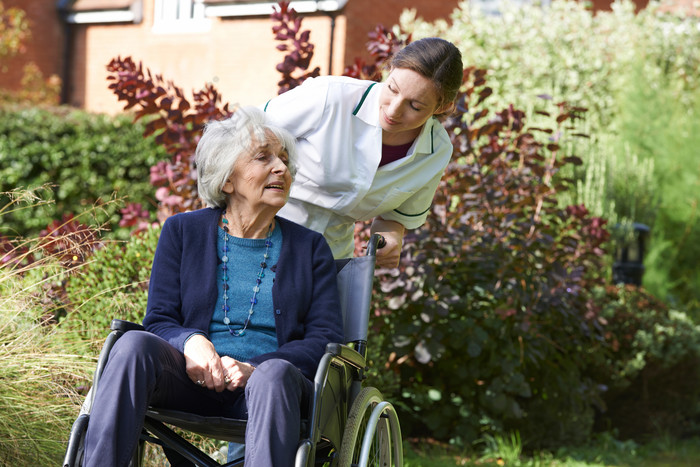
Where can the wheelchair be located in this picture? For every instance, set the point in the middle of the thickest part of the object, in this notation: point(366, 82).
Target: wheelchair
point(348, 424)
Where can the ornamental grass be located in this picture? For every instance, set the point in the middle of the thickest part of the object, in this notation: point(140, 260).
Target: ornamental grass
point(41, 372)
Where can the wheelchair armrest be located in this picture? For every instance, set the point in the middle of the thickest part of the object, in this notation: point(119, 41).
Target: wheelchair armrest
point(124, 326)
point(347, 354)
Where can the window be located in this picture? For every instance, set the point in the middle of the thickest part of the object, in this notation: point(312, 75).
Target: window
point(496, 7)
point(179, 16)
point(100, 11)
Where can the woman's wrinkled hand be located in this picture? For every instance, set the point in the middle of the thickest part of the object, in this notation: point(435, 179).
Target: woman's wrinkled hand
point(203, 364)
point(237, 373)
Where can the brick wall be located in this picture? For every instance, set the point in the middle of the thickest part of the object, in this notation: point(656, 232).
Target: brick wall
point(45, 48)
point(237, 55)
point(364, 15)
point(605, 5)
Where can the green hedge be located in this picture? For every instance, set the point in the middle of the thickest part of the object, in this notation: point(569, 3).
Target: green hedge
point(638, 74)
point(652, 374)
point(84, 157)
point(485, 328)
point(112, 284)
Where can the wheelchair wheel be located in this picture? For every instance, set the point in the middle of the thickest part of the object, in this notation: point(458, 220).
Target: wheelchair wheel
point(76, 443)
point(137, 458)
point(372, 434)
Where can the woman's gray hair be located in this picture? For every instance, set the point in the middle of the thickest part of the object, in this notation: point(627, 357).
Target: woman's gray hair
point(223, 141)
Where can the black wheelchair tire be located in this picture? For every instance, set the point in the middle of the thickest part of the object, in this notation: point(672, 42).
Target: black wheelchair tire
point(385, 449)
point(138, 456)
point(76, 444)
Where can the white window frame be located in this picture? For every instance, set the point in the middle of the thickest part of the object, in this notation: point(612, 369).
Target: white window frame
point(179, 17)
point(266, 7)
point(495, 7)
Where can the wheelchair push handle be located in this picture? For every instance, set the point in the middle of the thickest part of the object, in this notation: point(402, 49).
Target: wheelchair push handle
point(376, 241)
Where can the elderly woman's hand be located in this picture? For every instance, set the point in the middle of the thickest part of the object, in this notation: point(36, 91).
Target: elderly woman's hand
point(237, 373)
point(203, 364)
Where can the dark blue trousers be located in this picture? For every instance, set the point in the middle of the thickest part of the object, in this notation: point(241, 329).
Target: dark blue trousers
point(144, 370)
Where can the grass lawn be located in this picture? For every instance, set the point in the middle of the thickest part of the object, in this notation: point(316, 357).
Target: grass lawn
point(603, 452)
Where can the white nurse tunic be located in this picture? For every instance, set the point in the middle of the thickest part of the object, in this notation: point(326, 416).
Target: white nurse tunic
point(335, 120)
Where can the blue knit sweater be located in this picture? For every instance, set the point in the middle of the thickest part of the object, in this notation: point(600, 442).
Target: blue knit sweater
point(183, 290)
point(245, 256)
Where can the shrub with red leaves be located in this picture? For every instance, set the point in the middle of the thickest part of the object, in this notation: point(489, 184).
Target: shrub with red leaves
point(68, 240)
point(293, 40)
point(134, 215)
point(382, 45)
point(492, 301)
point(176, 123)
point(11, 253)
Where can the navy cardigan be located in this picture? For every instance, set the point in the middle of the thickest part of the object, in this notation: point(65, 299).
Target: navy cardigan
point(182, 292)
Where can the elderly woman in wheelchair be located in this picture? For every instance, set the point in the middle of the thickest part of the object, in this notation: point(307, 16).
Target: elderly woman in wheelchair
point(240, 309)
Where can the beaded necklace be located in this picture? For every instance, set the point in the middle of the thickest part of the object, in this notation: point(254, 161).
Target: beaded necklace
point(258, 279)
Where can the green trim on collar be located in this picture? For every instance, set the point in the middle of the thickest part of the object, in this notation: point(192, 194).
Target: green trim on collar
point(364, 96)
point(266, 104)
point(411, 215)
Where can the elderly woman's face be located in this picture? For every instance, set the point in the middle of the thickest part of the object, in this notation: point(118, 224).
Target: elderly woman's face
point(260, 177)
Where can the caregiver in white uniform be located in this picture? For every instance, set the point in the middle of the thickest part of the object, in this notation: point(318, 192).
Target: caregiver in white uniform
point(371, 150)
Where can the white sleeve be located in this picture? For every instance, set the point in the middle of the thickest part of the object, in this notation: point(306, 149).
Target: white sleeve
point(301, 109)
point(413, 212)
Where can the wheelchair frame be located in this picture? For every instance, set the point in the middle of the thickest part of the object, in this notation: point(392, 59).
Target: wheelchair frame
point(347, 424)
